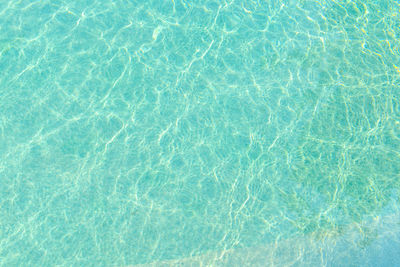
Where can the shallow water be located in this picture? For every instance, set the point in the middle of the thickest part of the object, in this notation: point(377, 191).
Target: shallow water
point(148, 132)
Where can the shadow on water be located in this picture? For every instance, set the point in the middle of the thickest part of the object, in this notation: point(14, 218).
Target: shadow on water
point(347, 249)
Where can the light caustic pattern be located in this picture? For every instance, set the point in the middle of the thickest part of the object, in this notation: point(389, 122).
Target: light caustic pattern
point(197, 132)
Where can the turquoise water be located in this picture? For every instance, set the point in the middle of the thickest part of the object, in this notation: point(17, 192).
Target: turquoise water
point(199, 133)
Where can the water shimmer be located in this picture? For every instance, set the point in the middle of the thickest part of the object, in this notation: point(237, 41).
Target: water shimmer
point(199, 133)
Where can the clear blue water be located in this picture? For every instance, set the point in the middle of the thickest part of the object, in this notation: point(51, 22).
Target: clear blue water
point(199, 133)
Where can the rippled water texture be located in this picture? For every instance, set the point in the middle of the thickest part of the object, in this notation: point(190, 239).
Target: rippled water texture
point(188, 133)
